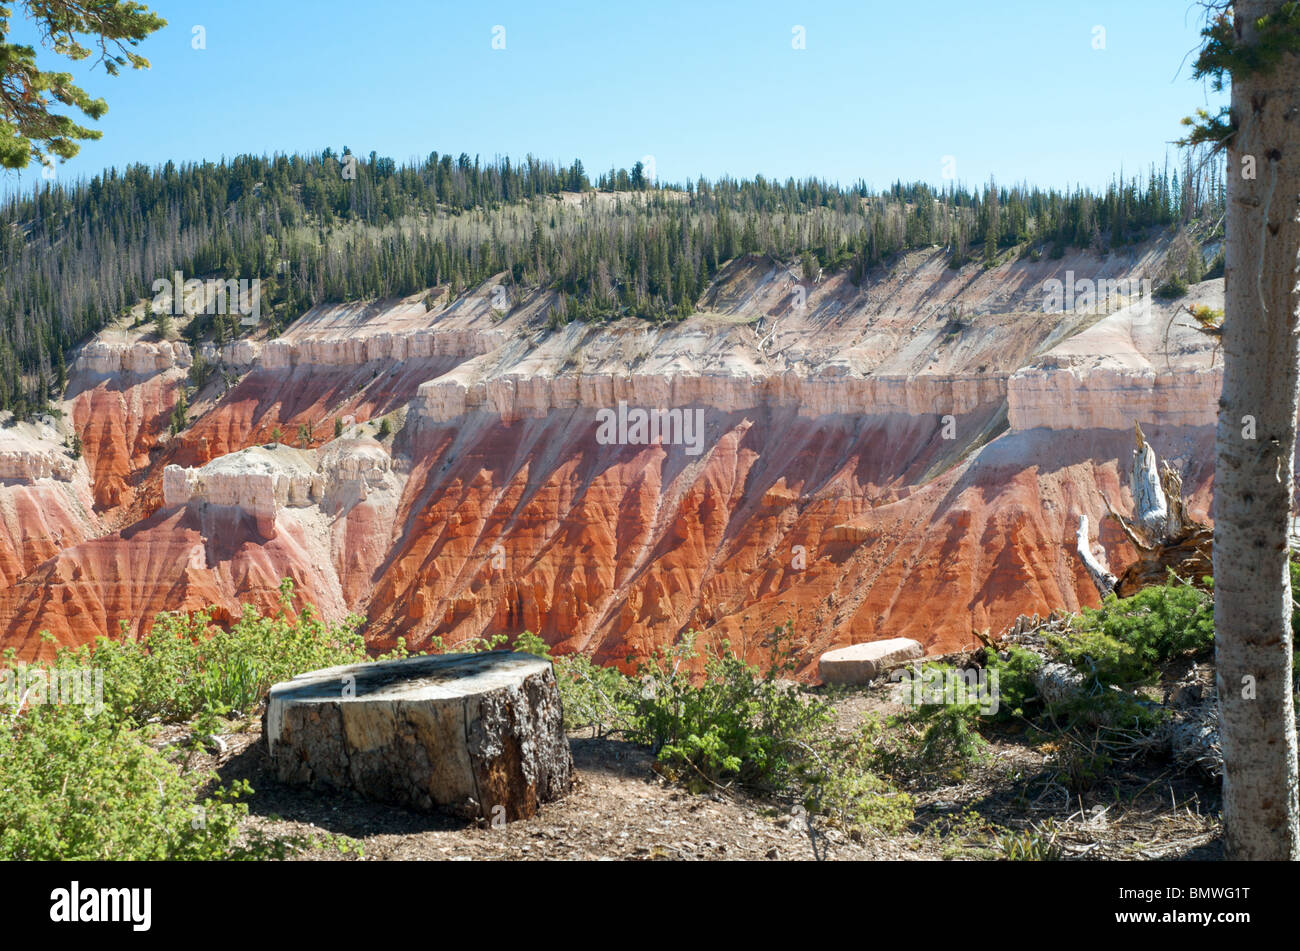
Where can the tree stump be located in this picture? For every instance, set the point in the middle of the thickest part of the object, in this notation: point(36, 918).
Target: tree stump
point(479, 735)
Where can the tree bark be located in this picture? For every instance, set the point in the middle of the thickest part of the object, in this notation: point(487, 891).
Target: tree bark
point(1253, 476)
point(1100, 574)
point(480, 735)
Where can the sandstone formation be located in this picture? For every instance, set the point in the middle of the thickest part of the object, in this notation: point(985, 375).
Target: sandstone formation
point(108, 357)
point(45, 499)
point(259, 481)
point(908, 458)
point(1122, 369)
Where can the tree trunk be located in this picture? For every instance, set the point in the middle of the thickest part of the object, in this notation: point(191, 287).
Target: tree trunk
point(1095, 563)
point(1165, 538)
point(1255, 448)
point(480, 735)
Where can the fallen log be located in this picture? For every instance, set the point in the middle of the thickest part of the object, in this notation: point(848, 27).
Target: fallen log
point(480, 735)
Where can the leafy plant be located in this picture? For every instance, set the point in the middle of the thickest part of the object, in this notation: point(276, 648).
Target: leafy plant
point(602, 698)
point(187, 663)
point(736, 723)
point(849, 793)
point(1017, 694)
point(79, 787)
point(1030, 845)
point(1125, 640)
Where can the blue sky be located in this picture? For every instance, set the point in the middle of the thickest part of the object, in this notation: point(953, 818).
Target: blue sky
point(882, 91)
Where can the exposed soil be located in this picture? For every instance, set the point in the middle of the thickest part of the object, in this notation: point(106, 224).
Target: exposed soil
point(621, 808)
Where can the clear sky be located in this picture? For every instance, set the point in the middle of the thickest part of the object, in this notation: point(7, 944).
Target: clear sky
point(881, 91)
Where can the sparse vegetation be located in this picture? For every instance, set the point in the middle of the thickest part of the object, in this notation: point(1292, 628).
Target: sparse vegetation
point(735, 723)
point(180, 417)
point(85, 784)
point(1030, 845)
point(92, 787)
point(187, 663)
point(1124, 642)
point(712, 721)
point(1174, 287)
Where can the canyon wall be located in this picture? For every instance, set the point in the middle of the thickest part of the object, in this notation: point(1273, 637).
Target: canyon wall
point(908, 457)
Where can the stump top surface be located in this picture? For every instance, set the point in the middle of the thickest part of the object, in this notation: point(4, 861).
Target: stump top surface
point(431, 677)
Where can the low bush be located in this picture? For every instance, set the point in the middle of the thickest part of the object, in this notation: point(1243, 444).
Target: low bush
point(602, 698)
point(91, 787)
point(1124, 642)
point(187, 663)
point(737, 723)
point(1017, 694)
point(1030, 845)
point(847, 789)
point(1173, 288)
point(86, 783)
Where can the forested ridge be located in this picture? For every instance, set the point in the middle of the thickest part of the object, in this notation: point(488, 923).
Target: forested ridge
point(337, 226)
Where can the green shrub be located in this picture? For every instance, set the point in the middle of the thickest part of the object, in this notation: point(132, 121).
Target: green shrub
point(1105, 707)
point(949, 737)
point(602, 698)
point(530, 643)
point(847, 791)
point(79, 787)
point(1017, 695)
point(1108, 659)
point(1125, 640)
point(938, 735)
point(186, 663)
point(1173, 288)
point(89, 785)
point(1030, 845)
point(737, 723)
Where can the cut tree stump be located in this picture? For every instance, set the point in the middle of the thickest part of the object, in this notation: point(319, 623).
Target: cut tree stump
point(479, 735)
point(860, 663)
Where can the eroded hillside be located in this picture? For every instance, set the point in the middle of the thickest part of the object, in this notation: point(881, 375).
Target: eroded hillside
point(905, 457)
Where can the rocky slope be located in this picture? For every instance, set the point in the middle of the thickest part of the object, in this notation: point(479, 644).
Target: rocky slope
point(905, 458)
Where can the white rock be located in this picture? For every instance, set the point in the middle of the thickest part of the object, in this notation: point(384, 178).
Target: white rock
point(139, 358)
point(263, 480)
point(259, 480)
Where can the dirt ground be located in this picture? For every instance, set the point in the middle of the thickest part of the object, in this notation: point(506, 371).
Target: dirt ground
point(621, 808)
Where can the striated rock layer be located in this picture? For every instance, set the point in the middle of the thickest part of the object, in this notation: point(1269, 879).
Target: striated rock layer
point(904, 459)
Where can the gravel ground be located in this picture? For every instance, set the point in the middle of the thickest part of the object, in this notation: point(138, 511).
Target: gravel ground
point(621, 808)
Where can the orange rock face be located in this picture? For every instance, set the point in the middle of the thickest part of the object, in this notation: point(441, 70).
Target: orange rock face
point(826, 523)
point(120, 422)
point(878, 494)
